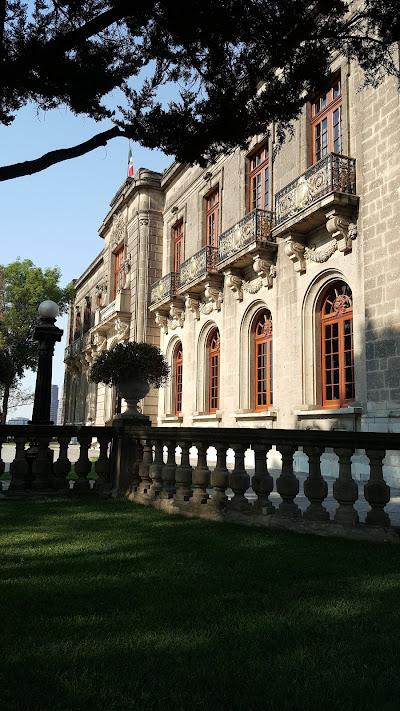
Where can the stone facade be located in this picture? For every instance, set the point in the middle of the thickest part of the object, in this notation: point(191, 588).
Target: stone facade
point(335, 220)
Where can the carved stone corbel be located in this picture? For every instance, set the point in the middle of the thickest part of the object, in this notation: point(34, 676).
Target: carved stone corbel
point(161, 321)
point(99, 342)
point(192, 305)
point(234, 283)
point(264, 269)
point(295, 251)
point(213, 299)
point(176, 317)
point(341, 229)
point(121, 329)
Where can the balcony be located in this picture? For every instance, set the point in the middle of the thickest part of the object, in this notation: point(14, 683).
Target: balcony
point(328, 185)
point(195, 271)
point(78, 345)
point(163, 290)
point(238, 244)
point(115, 316)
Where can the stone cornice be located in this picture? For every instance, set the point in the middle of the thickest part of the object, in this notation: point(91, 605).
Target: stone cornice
point(144, 178)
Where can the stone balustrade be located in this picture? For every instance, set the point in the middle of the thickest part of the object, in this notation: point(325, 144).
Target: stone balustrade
point(247, 476)
point(44, 457)
point(332, 174)
point(204, 472)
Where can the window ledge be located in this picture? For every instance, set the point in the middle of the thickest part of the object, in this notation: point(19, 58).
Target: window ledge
point(171, 418)
point(326, 412)
point(207, 417)
point(260, 415)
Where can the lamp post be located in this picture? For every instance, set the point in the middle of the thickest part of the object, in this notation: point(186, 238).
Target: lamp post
point(46, 333)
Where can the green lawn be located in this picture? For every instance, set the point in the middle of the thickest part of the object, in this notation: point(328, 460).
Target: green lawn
point(107, 605)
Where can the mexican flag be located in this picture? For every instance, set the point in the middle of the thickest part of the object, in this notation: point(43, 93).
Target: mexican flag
point(130, 163)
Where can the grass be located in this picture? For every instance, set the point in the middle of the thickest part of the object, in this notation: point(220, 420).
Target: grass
point(107, 605)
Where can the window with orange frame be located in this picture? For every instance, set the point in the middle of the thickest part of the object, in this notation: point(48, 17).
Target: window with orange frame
point(118, 259)
point(263, 384)
point(259, 180)
point(326, 122)
point(337, 346)
point(178, 371)
point(178, 245)
point(213, 370)
point(212, 218)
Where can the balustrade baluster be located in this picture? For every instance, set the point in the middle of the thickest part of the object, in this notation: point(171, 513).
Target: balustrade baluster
point(19, 468)
point(315, 486)
point(345, 489)
point(183, 475)
point(262, 482)
point(376, 491)
point(239, 481)
point(155, 469)
point(168, 472)
point(42, 466)
point(83, 465)
point(102, 466)
point(201, 475)
point(287, 484)
point(62, 466)
point(144, 466)
point(219, 480)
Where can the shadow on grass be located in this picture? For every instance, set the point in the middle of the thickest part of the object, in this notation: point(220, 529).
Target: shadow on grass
point(109, 605)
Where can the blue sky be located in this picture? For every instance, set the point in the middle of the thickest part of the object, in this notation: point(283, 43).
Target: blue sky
point(52, 217)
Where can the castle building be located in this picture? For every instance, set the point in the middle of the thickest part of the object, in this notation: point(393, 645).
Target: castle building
point(269, 279)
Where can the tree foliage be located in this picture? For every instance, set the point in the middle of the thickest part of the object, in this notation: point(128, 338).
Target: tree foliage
point(216, 54)
point(22, 287)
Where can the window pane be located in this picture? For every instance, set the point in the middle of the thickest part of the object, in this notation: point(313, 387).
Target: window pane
point(337, 130)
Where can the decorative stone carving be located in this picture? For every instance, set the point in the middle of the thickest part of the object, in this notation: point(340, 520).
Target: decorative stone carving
point(121, 329)
point(320, 254)
point(161, 321)
point(176, 317)
point(192, 305)
point(295, 252)
point(265, 269)
point(342, 230)
point(118, 231)
point(143, 220)
point(212, 298)
point(100, 342)
point(234, 283)
point(251, 287)
point(126, 273)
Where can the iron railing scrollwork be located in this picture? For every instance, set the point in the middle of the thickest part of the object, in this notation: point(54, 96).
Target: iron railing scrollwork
point(198, 266)
point(256, 226)
point(164, 288)
point(332, 174)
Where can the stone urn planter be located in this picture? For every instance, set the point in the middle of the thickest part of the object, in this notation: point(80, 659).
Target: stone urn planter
point(132, 391)
point(132, 368)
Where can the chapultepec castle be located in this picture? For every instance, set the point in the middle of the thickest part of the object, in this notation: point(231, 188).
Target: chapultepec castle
point(270, 280)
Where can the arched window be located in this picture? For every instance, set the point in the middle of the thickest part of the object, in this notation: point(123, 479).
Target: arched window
point(177, 385)
point(213, 349)
point(263, 384)
point(337, 346)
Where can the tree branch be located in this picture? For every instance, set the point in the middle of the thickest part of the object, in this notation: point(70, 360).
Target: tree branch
point(16, 170)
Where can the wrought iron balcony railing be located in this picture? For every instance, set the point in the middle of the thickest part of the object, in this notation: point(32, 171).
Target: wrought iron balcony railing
point(164, 288)
point(78, 345)
point(254, 227)
point(198, 266)
point(332, 174)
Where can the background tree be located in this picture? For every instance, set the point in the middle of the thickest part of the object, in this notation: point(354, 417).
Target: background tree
point(108, 59)
point(22, 287)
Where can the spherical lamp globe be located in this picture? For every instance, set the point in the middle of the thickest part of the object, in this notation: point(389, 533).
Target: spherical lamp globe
point(48, 309)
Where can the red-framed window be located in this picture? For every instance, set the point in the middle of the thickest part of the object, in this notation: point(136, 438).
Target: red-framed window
point(177, 245)
point(118, 259)
point(212, 218)
point(78, 324)
point(326, 122)
point(213, 370)
point(178, 370)
point(263, 382)
point(259, 180)
point(337, 346)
